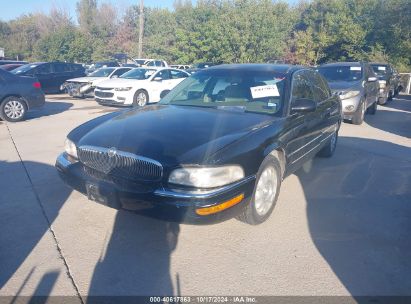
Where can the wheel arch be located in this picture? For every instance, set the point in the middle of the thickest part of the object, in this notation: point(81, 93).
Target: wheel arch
point(278, 152)
point(18, 96)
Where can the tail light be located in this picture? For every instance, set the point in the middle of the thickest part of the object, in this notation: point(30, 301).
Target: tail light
point(37, 85)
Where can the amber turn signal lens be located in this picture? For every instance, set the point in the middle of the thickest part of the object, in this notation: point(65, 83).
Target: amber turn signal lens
point(220, 207)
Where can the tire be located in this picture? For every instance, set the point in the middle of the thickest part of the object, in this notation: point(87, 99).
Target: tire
point(373, 109)
point(390, 95)
point(13, 109)
point(329, 148)
point(259, 209)
point(140, 98)
point(358, 117)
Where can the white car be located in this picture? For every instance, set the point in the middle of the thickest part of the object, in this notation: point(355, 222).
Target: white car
point(84, 86)
point(138, 86)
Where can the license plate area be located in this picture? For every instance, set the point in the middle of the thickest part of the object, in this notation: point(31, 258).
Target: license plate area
point(102, 196)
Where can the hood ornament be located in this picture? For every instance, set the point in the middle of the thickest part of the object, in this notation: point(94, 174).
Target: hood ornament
point(112, 152)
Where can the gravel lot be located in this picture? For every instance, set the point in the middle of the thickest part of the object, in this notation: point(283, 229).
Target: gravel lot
point(341, 226)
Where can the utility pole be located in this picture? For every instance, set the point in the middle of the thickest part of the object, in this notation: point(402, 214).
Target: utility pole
point(141, 29)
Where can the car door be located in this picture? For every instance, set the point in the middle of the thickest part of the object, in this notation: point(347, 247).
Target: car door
point(304, 126)
point(159, 83)
point(327, 109)
point(44, 74)
point(176, 76)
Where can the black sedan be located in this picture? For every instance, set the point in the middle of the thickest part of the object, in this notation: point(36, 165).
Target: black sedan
point(18, 95)
point(217, 146)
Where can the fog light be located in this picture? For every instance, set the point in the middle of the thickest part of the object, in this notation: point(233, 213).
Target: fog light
point(349, 108)
point(121, 98)
point(220, 207)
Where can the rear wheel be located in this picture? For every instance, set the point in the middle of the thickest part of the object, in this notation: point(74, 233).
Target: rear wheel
point(140, 98)
point(13, 109)
point(266, 191)
point(358, 116)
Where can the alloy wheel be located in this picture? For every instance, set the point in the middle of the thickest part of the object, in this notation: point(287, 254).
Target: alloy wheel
point(266, 191)
point(14, 109)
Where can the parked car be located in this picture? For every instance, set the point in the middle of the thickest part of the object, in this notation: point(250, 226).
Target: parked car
point(217, 146)
point(199, 66)
point(101, 64)
point(145, 62)
point(18, 95)
point(388, 81)
point(138, 86)
point(84, 86)
point(357, 86)
point(51, 74)
point(11, 66)
point(3, 62)
point(180, 66)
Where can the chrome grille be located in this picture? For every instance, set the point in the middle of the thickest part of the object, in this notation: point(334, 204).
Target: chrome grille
point(120, 163)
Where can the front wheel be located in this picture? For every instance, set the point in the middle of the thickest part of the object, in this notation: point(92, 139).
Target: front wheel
point(13, 109)
point(140, 98)
point(266, 191)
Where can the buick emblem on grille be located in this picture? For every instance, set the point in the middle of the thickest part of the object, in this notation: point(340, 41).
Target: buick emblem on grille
point(112, 152)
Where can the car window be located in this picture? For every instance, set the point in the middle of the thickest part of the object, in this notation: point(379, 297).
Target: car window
point(177, 74)
point(345, 73)
point(119, 72)
point(138, 74)
point(164, 74)
point(320, 88)
point(301, 87)
point(43, 69)
point(258, 92)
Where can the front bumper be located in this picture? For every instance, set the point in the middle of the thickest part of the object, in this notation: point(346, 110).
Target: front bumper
point(114, 98)
point(158, 201)
point(350, 106)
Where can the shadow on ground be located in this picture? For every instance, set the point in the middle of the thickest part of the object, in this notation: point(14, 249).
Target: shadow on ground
point(23, 219)
point(393, 121)
point(359, 214)
point(50, 108)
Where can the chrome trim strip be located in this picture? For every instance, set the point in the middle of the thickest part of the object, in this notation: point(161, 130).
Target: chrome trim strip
point(205, 194)
point(302, 147)
point(313, 148)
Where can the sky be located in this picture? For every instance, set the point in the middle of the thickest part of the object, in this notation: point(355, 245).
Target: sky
point(12, 9)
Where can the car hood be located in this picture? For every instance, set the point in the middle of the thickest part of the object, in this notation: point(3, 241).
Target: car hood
point(119, 82)
point(86, 79)
point(345, 85)
point(174, 135)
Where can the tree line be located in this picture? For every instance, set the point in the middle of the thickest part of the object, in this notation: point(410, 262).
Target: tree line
point(230, 31)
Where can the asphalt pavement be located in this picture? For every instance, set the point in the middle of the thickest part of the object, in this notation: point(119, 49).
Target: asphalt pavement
point(341, 225)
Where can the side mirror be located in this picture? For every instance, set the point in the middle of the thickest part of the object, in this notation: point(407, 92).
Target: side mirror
point(158, 78)
point(303, 105)
point(372, 79)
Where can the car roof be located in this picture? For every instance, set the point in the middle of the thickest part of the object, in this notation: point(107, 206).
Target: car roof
point(379, 63)
point(345, 63)
point(258, 67)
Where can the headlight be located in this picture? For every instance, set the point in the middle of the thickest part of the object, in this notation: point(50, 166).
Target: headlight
point(70, 148)
point(382, 84)
point(123, 89)
point(349, 94)
point(208, 177)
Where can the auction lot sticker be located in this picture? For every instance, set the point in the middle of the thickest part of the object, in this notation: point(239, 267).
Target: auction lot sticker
point(264, 91)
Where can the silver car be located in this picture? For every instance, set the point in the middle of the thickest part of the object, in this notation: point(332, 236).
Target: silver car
point(357, 86)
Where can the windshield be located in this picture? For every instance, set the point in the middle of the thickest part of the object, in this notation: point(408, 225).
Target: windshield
point(380, 69)
point(341, 73)
point(260, 92)
point(138, 74)
point(105, 72)
point(24, 68)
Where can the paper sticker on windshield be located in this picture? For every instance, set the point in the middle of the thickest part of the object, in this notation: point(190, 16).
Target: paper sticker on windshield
point(355, 68)
point(264, 91)
point(381, 68)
